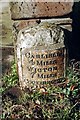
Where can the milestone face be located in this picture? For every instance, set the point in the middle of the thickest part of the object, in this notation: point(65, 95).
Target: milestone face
point(41, 53)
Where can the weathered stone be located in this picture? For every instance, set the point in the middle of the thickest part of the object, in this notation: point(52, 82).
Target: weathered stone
point(65, 23)
point(40, 53)
point(33, 9)
point(19, 25)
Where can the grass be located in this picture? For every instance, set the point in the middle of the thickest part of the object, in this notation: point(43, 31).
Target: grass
point(11, 79)
point(47, 103)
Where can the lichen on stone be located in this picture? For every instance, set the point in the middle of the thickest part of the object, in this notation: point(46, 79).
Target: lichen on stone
point(45, 35)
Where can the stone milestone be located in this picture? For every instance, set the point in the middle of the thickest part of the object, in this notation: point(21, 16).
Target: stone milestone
point(41, 53)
